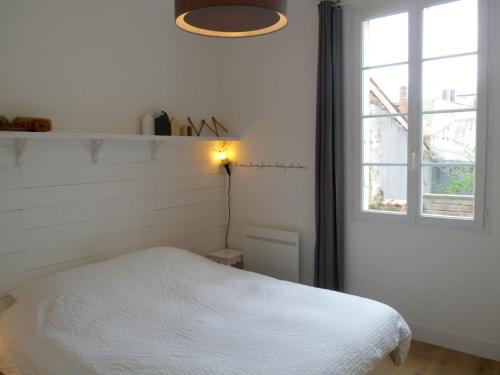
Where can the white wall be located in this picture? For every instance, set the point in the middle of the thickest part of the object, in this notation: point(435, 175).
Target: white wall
point(445, 281)
point(269, 97)
point(98, 66)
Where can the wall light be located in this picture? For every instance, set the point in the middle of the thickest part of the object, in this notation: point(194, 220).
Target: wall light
point(222, 156)
point(231, 18)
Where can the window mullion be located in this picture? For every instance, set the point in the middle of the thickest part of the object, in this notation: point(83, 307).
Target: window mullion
point(415, 107)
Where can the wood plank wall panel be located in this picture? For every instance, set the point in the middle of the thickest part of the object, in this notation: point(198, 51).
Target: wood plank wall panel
point(58, 210)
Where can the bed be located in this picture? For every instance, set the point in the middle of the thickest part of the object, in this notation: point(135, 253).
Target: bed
point(167, 311)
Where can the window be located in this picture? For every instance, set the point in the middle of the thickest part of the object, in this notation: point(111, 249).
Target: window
point(422, 129)
point(385, 114)
point(449, 109)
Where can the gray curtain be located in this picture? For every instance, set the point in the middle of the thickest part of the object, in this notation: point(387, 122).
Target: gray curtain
point(329, 261)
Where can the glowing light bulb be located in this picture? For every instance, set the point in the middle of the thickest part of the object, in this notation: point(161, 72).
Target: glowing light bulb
point(222, 157)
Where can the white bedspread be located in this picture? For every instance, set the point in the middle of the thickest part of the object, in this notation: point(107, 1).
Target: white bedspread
point(166, 311)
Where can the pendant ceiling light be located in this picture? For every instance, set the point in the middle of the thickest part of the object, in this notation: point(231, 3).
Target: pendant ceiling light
point(231, 18)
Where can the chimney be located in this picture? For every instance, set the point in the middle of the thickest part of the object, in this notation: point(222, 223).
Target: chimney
point(449, 95)
point(403, 99)
point(453, 96)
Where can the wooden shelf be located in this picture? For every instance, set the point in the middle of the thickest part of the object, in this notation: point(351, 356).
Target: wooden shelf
point(96, 140)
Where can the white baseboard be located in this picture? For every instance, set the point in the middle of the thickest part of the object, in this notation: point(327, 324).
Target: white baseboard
point(457, 342)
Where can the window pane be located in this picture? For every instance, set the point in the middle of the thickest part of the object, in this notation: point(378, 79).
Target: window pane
point(385, 90)
point(385, 140)
point(451, 28)
point(384, 189)
point(385, 40)
point(450, 84)
point(448, 191)
point(449, 137)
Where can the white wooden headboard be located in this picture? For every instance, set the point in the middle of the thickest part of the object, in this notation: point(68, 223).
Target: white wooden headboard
point(58, 210)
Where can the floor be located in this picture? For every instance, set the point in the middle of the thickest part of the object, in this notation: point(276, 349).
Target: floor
point(427, 359)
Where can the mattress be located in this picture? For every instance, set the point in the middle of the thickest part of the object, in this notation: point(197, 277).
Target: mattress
point(168, 311)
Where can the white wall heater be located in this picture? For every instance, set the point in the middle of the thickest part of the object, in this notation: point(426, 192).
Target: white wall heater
point(272, 252)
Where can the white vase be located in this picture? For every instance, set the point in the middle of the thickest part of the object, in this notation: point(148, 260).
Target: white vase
point(148, 124)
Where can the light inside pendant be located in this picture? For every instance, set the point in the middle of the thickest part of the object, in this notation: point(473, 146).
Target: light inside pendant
point(231, 18)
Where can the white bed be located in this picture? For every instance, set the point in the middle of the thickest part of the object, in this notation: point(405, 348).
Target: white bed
point(167, 311)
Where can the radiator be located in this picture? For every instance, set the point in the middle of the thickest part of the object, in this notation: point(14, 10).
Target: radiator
point(272, 252)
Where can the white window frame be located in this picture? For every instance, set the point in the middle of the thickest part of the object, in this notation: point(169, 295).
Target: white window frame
point(415, 10)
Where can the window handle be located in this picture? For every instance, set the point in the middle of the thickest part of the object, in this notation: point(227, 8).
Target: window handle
point(413, 160)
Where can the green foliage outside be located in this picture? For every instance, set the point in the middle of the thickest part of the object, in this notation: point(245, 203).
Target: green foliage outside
point(460, 181)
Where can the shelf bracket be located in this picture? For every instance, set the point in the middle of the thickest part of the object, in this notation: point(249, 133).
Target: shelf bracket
point(155, 145)
point(19, 144)
point(95, 145)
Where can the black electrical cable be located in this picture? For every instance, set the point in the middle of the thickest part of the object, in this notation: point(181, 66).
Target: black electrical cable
point(228, 209)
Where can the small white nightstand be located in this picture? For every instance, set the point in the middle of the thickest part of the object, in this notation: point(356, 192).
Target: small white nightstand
point(228, 257)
